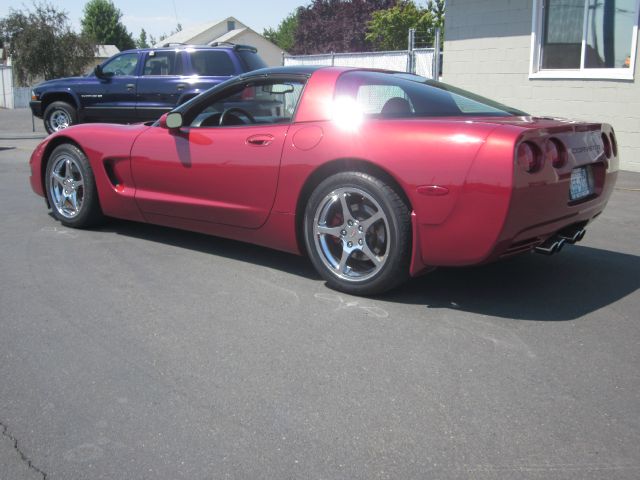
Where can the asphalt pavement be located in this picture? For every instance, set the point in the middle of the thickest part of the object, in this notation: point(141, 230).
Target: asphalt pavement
point(139, 352)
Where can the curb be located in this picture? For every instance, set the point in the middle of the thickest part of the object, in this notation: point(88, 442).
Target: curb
point(22, 136)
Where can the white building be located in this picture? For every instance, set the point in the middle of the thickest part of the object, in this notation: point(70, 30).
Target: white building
point(566, 58)
point(227, 30)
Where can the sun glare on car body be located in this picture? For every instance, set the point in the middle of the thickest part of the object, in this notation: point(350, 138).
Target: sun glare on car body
point(346, 113)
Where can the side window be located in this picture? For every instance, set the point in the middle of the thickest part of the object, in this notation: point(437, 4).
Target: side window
point(384, 95)
point(212, 63)
point(384, 99)
point(266, 102)
point(122, 65)
point(162, 63)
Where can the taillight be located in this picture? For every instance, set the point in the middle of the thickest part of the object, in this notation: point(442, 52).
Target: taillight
point(528, 157)
point(614, 143)
point(606, 144)
point(555, 152)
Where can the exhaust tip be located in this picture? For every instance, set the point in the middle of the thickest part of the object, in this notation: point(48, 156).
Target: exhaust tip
point(572, 236)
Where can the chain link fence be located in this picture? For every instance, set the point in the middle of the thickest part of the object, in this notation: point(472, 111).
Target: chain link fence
point(402, 61)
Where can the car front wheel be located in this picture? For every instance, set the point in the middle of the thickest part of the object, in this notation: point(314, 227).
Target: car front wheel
point(71, 188)
point(58, 116)
point(358, 233)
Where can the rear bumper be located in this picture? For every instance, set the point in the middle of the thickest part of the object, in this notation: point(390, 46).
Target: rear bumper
point(478, 232)
point(539, 213)
point(36, 108)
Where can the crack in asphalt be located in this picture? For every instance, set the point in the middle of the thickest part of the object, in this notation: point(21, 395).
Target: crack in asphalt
point(23, 457)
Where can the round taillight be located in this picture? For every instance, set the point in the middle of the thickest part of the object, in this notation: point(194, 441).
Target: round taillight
point(614, 143)
point(555, 153)
point(528, 157)
point(606, 144)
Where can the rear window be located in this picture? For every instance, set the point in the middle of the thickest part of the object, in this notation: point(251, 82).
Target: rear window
point(212, 63)
point(402, 95)
point(251, 60)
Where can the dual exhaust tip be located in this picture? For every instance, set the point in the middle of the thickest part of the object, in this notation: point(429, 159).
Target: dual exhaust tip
point(555, 243)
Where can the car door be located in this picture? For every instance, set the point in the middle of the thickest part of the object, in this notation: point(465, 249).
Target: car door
point(222, 165)
point(116, 98)
point(160, 83)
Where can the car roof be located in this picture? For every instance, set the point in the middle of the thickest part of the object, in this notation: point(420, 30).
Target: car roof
point(183, 46)
point(288, 70)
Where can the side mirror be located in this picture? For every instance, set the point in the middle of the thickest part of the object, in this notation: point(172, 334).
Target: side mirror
point(100, 74)
point(171, 120)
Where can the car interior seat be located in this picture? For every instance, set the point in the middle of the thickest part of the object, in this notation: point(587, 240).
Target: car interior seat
point(396, 106)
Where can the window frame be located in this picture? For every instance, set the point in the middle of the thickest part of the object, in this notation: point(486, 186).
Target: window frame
point(196, 106)
point(109, 61)
point(177, 62)
point(536, 72)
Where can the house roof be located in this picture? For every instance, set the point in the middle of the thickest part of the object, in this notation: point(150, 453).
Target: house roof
point(186, 35)
point(106, 51)
point(227, 37)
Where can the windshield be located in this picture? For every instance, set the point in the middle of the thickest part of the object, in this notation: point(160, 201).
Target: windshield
point(405, 96)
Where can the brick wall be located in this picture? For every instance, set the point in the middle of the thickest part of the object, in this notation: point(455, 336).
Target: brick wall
point(487, 50)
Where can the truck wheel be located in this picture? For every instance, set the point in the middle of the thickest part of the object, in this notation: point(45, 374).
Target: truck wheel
point(58, 116)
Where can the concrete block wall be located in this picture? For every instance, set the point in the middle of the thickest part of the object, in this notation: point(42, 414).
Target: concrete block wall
point(487, 50)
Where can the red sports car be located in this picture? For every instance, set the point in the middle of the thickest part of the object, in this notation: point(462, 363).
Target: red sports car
point(375, 175)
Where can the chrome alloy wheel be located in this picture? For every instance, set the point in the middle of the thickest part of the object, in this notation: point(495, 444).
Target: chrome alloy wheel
point(66, 186)
point(59, 120)
point(351, 233)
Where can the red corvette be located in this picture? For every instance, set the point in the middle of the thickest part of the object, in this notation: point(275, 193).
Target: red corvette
point(377, 176)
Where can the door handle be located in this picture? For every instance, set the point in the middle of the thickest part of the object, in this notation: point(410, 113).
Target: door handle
point(131, 86)
point(260, 140)
point(181, 86)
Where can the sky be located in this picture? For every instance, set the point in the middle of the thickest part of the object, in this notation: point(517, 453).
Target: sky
point(162, 16)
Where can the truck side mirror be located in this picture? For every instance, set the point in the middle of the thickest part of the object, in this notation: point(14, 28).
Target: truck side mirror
point(100, 74)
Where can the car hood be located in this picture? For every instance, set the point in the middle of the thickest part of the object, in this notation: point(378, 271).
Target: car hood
point(65, 81)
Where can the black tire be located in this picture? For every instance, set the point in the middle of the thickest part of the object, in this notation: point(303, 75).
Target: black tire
point(58, 116)
point(366, 251)
point(70, 187)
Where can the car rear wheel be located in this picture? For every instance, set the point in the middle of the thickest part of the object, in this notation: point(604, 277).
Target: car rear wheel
point(71, 188)
point(358, 233)
point(58, 116)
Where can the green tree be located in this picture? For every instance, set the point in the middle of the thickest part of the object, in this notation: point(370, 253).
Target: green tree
point(388, 29)
point(42, 45)
point(437, 7)
point(284, 35)
point(142, 40)
point(101, 22)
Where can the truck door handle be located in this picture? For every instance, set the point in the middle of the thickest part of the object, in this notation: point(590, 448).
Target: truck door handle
point(260, 140)
point(131, 86)
point(180, 86)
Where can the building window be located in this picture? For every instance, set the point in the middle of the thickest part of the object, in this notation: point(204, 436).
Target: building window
point(584, 38)
point(231, 25)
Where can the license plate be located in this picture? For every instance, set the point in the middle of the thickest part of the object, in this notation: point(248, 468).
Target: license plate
point(581, 183)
